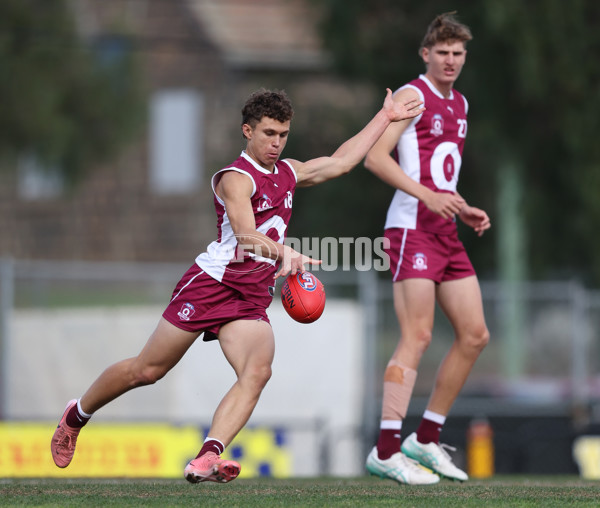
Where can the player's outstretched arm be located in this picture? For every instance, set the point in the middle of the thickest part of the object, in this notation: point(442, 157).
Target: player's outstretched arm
point(351, 152)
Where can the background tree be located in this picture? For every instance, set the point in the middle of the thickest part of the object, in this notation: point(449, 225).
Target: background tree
point(534, 94)
point(63, 101)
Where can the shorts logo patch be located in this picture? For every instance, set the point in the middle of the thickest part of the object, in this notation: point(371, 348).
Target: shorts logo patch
point(419, 262)
point(186, 312)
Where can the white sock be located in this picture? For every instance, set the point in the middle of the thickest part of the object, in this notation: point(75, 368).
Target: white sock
point(81, 411)
point(434, 417)
point(391, 424)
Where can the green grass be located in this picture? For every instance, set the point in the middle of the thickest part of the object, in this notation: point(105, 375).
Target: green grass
point(500, 491)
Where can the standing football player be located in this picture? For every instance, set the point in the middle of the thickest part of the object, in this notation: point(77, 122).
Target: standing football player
point(227, 290)
point(421, 159)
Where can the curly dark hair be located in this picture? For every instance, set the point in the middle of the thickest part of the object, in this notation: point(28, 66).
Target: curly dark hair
point(271, 103)
point(445, 28)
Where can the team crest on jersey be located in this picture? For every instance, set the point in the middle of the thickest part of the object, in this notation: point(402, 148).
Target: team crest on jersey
point(186, 312)
point(419, 262)
point(437, 125)
point(265, 203)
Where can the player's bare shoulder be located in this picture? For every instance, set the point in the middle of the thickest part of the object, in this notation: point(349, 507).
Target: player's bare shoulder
point(406, 94)
point(232, 183)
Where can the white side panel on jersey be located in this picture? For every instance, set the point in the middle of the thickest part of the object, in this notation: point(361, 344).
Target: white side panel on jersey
point(402, 212)
point(219, 254)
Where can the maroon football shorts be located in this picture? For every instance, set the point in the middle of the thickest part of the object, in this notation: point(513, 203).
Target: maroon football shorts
point(201, 303)
point(418, 254)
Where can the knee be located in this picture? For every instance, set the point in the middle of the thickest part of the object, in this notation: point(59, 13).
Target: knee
point(422, 339)
point(258, 377)
point(263, 375)
point(479, 339)
point(483, 339)
point(147, 375)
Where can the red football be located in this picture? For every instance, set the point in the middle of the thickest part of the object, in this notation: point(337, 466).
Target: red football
point(303, 297)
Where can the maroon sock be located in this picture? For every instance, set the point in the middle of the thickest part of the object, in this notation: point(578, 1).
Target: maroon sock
point(428, 432)
point(74, 419)
point(212, 445)
point(388, 443)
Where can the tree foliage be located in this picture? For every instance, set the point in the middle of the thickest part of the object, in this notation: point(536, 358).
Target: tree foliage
point(533, 87)
point(66, 102)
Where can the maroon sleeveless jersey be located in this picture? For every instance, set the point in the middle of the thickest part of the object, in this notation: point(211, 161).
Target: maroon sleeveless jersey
point(272, 196)
point(430, 152)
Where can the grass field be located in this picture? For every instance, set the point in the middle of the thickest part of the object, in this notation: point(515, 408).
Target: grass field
point(505, 491)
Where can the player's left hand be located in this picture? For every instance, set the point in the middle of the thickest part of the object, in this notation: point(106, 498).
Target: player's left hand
point(475, 218)
point(401, 109)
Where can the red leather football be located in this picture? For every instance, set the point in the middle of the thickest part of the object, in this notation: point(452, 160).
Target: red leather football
point(303, 297)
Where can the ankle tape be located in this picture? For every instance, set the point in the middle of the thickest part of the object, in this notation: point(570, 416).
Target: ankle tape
point(398, 384)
